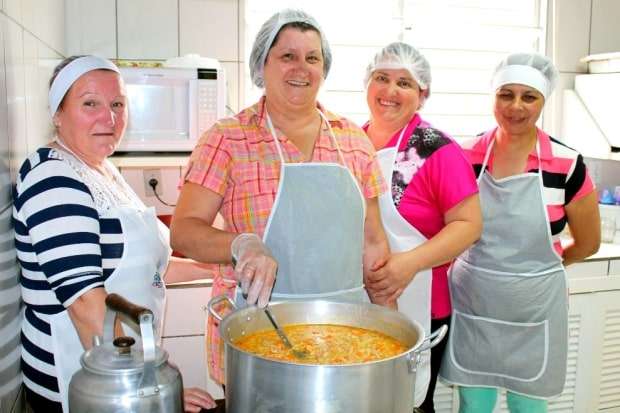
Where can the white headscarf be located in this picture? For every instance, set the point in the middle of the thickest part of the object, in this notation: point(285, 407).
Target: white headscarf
point(72, 72)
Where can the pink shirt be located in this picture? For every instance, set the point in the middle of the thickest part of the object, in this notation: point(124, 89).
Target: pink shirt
point(431, 175)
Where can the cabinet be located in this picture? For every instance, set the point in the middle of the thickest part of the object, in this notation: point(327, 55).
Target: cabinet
point(91, 27)
point(183, 334)
point(593, 371)
point(210, 28)
point(148, 29)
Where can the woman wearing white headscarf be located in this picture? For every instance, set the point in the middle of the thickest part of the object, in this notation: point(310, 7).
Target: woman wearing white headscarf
point(81, 233)
point(509, 294)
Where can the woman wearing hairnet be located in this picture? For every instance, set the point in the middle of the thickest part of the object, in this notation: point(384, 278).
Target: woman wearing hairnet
point(432, 213)
point(509, 294)
point(297, 186)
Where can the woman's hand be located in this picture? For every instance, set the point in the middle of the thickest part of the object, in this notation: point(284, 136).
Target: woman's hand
point(255, 268)
point(195, 399)
point(386, 283)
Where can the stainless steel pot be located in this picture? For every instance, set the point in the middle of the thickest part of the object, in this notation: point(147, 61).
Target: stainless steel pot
point(116, 378)
point(256, 384)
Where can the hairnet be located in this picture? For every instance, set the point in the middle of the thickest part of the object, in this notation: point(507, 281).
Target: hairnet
point(72, 72)
point(402, 56)
point(267, 34)
point(530, 69)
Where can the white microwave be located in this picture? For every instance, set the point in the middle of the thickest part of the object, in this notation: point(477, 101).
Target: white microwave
point(170, 108)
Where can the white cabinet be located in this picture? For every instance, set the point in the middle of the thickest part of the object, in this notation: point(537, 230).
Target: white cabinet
point(91, 27)
point(210, 28)
point(183, 334)
point(148, 35)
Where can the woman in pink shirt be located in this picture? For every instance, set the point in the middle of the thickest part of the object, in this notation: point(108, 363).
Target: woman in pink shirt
point(432, 212)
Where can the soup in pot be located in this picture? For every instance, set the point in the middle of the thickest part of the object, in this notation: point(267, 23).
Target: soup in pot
point(323, 344)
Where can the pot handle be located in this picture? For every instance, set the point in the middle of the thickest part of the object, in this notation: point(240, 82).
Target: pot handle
point(217, 300)
point(433, 339)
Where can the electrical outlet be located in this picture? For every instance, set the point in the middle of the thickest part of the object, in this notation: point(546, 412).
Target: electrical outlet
point(149, 174)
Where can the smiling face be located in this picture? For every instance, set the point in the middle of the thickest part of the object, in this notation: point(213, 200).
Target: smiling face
point(393, 96)
point(517, 108)
point(293, 70)
point(93, 115)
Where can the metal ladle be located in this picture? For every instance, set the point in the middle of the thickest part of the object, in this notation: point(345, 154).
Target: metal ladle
point(300, 354)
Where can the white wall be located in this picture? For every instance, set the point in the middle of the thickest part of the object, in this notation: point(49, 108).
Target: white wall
point(31, 41)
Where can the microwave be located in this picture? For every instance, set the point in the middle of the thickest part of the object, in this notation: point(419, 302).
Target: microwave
point(170, 108)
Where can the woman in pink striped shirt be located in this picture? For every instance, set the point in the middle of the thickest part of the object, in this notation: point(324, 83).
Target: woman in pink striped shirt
point(509, 293)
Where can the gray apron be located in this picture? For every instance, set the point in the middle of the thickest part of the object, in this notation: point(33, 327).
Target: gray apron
point(509, 295)
point(316, 231)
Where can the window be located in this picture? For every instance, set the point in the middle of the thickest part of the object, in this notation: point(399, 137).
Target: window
point(462, 39)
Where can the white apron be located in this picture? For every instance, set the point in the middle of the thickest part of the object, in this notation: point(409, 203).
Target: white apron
point(415, 301)
point(138, 277)
point(510, 311)
point(316, 231)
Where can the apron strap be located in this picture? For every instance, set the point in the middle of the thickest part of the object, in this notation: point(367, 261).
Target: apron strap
point(487, 156)
point(331, 135)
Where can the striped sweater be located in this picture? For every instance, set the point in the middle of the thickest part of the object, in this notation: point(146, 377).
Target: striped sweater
point(65, 248)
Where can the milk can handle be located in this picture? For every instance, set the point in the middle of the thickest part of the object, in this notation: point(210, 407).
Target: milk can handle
point(118, 304)
point(217, 300)
point(144, 318)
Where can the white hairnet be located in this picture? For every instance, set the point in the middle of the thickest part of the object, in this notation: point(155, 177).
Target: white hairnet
point(267, 34)
point(399, 55)
point(530, 69)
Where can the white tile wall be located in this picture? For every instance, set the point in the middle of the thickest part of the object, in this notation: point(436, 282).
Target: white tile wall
point(49, 21)
point(13, 9)
point(32, 38)
point(15, 90)
point(170, 177)
point(22, 47)
point(5, 197)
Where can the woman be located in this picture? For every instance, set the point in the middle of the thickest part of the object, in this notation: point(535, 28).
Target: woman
point(509, 293)
point(81, 233)
point(297, 185)
point(432, 213)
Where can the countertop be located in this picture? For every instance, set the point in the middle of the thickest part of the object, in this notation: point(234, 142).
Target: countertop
point(607, 251)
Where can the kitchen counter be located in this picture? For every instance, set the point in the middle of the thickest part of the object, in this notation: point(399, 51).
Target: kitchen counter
point(149, 160)
point(607, 251)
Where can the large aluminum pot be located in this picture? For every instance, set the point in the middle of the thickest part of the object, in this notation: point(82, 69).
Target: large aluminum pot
point(256, 384)
point(116, 377)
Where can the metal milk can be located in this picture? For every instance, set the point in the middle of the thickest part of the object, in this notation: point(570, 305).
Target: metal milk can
point(118, 377)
